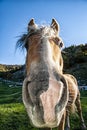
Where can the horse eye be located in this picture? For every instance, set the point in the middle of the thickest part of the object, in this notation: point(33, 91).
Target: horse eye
point(61, 44)
point(26, 45)
point(58, 42)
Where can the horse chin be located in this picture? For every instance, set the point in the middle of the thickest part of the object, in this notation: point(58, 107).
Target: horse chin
point(38, 122)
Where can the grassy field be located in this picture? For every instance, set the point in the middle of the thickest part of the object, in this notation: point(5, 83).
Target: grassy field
point(13, 115)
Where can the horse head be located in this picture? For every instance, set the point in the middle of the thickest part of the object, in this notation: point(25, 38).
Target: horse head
point(45, 92)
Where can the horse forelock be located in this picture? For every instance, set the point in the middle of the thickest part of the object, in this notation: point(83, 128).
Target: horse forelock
point(42, 31)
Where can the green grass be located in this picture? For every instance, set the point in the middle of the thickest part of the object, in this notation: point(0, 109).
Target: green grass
point(13, 115)
point(9, 94)
point(74, 119)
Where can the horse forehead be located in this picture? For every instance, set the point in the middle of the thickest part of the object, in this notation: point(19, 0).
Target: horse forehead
point(45, 31)
point(48, 43)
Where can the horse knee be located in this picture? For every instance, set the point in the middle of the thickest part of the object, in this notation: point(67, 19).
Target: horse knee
point(62, 123)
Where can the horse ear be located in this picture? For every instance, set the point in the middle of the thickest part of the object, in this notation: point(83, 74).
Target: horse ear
point(55, 25)
point(31, 25)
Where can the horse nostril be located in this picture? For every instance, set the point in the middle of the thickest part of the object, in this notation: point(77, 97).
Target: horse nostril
point(28, 82)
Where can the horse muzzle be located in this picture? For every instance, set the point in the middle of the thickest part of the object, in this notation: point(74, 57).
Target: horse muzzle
point(45, 100)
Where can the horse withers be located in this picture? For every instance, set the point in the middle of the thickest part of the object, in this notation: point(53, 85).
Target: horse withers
point(48, 94)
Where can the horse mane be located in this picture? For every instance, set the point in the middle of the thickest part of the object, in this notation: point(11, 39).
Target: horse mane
point(22, 41)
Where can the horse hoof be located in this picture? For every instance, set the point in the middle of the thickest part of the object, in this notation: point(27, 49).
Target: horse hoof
point(83, 127)
point(67, 128)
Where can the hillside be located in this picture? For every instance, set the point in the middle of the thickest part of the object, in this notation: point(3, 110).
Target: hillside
point(12, 72)
point(75, 62)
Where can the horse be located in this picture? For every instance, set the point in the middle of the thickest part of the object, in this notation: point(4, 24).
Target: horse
point(48, 94)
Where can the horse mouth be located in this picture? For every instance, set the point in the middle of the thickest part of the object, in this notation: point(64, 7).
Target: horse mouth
point(42, 99)
point(50, 100)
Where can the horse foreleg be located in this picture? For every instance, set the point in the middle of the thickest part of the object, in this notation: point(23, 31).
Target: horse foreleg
point(67, 121)
point(79, 110)
point(62, 123)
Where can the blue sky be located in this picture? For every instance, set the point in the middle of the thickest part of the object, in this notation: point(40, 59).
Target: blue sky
point(15, 15)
